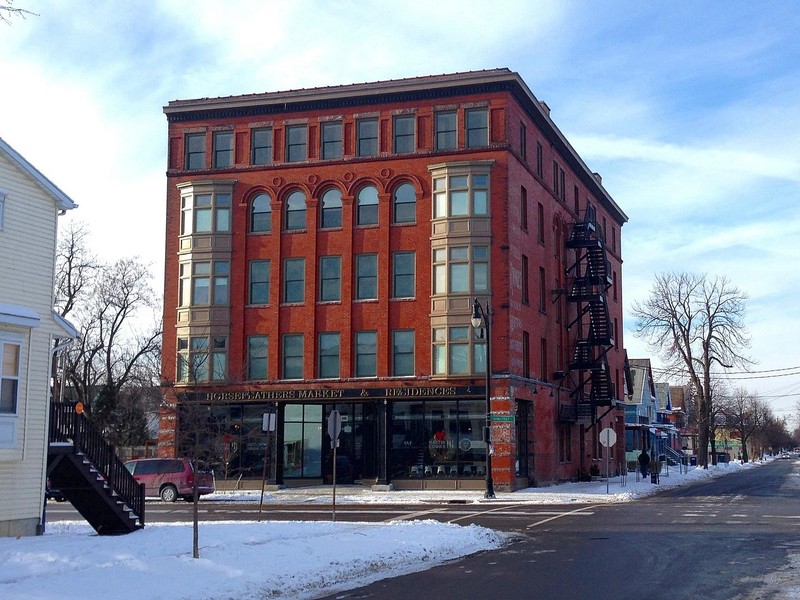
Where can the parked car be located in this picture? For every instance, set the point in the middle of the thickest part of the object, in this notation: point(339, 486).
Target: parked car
point(170, 478)
point(53, 493)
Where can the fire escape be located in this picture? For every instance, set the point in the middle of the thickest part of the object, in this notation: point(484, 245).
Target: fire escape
point(590, 276)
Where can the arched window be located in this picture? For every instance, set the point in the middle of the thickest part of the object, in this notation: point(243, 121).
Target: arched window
point(404, 204)
point(261, 213)
point(296, 211)
point(367, 206)
point(331, 209)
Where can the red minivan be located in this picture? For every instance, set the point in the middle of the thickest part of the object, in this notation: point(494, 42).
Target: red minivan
point(170, 478)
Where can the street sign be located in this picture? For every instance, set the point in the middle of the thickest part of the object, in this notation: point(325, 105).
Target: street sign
point(334, 425)
point(268, 422)
point(503, 418)
point(608, 437)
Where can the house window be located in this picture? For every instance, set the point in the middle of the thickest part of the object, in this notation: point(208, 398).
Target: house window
point(332, 140)
point(328, 355)
point(294, 280)
point(539, 159)
point(559, 181)
point(402, 353)
point(445, 130)
point(261, 214)
point(330, 278)
point(366, 353)
point(458, 350)
point(367, 206)
point(460, 269)
point(292, 356)
point(576, 196)
point(543, 350)
point(9, 377)
point(296, 211)
point(542, 290)
point(257, 352)
point(523, 148)
point(204, 283)
point(261, 146)
point(202, 358)
point(526, 354)
point(331, 209)
point(461, 195)
point(367, 137)
point(477, 121)
point(525, 286)
point(195, 151)
point(404, 204)
point(523, 209)
point(223, 149)
point(540, 222)
point(206, 213)
point(403, 129)
point(366, 276)
point(403, 272)
point(259, 281)
point(296, 140)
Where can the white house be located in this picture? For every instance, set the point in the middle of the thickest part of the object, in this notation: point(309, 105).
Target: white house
point(29, 331)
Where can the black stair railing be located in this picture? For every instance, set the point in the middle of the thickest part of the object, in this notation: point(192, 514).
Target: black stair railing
point(68, 426)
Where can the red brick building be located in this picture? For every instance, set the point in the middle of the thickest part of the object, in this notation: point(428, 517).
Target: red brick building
point(325, 248)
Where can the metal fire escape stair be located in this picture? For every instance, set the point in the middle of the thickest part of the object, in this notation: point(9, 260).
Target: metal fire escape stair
point(88, 473)
point(591, 280)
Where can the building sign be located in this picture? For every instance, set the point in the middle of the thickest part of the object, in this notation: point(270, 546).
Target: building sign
point(294, 394)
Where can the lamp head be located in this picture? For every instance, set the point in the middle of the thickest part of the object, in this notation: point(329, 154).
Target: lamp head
point(477, 314)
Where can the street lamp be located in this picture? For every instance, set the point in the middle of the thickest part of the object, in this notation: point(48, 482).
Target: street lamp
point(480, 318)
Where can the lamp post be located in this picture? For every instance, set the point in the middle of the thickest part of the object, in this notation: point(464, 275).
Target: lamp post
point(482, 318)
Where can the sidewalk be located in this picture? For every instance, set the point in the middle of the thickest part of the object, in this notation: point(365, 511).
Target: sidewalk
point(592, 492)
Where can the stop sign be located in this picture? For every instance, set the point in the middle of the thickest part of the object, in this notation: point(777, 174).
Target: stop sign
point(608, 437)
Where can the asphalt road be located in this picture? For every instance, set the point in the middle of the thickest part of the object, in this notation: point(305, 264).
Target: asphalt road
point(717, 539)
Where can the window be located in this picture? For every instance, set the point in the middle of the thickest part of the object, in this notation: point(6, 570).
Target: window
point(523, 148)
point(328, 355)
point(523, 209)
point(542, 290)
point(539, 159)
point(294, 280)
point(204, 283)
point(292, 356)
point(257, 352)
point(543, 350)
point(296, 140)
point(9, 377)
point(366, 353)
point(195, 151)
point(526, 354)
point(223, 149)
point(404, 204)
point(559, 181)
point(261, 214)
point(366, 276)
point(296, 211)
point(525, 287)
point(331, 209)
point(575, 198)
point(445, 130)
point(460, 269)
point(402, 353)
point(403, 272)
point(367, 137)
point(261, 146)
point(259, 281)
point(330, 278)
point(458, 350)
point(367, 206)
point(404, 134)
point(332, 140)
point(202, 359)
point(540, 222)
point(461, 195)
point(477, 127)
point(206, 213)
point(614, 284)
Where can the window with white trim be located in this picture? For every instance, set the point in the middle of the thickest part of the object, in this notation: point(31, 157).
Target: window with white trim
point(9, 376)
point(206, 213)
point(204, 282)
point(459, 350)
point(461, 196)
point(460, 270)
point(202, 358)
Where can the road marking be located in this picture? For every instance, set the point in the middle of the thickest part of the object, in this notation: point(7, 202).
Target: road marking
point(566, 514)
point(479, 513)
point(421, 513)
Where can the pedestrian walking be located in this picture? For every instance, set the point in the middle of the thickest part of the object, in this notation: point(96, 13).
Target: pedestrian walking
point(644, 463)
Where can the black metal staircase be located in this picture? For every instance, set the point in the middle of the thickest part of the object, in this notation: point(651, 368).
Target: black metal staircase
point(87, 471)
point(590, 281)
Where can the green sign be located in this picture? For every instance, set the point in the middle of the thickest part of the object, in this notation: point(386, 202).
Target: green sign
point(504, 418)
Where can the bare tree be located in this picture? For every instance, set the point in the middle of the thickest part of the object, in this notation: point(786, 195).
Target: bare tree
point(697, 325)
point(8, 11)
point(76, 266)
point(745, 415)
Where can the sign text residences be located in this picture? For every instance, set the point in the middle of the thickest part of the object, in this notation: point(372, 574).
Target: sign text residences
point(342, 393)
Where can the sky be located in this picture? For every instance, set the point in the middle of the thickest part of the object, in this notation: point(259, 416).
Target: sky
point(688, 110)
point(299, 560)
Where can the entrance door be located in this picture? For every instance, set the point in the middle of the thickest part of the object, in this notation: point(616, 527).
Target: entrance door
point(356, 454)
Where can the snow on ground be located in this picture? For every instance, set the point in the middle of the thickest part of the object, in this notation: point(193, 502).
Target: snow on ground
point(272, 559)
